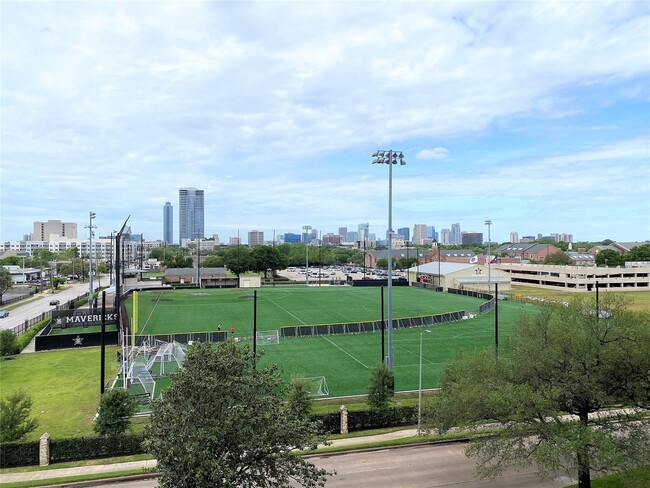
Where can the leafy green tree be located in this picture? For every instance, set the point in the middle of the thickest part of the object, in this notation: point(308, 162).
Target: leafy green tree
point(382, 263)
point(11, 261)
point(609, 258)
point(116, 408)
point(223, 423)
point(382, 387)
point(15, 421)
point(562, 361)
point(638, 253)
point(5, 281)
point(212, 261)
point(267, 257)
point(299, 398)
point(8, 343)
point(238, 259)
point(558, 258)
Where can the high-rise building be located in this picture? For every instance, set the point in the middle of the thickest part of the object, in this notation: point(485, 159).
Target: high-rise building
point(514, 237)
point(343, 231)
point(419, 234)
point(471, 237)
point(455, 234)
point(43, 230)
point(445, 237)
point(331, 239)
point(255, 238)
point(168, 223)
point(405, 232)
point(234, 241)
point(291, 238)
point(362, 231)
point(352, 236)
point(191, 214)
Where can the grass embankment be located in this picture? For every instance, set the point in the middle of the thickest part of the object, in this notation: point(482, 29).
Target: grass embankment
point(640, 300)
point(64, 386)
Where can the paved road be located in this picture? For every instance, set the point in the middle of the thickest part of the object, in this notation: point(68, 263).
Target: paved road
point(40, 303)
point(410, 467)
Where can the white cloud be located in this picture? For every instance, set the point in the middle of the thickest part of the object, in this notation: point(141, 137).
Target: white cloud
point(435, 153)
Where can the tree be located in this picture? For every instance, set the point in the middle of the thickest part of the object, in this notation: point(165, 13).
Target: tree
point(298, 398)
point(381, 388)
point(562, 361)
point(15, 422)
point(8, 343)
point(223, 423)
point(5, 281)
point(267, 257)
point(116, 408)
point(638, 253)
point(238, 259)
point(558, 258)
point(609, 258)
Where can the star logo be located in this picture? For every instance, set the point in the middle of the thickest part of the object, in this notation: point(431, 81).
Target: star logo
point(77, 341)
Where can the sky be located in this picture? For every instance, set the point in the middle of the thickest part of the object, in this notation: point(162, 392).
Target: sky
point(535, 115)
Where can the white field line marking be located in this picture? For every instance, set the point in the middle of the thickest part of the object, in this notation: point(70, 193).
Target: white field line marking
point(150, 313)
point(287, 311)
point(346, 352)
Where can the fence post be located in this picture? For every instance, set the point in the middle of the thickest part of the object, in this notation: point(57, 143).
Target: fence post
point(344, 419)
point(44, 450)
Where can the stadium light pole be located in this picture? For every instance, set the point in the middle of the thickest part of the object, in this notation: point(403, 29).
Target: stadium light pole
point(90, 228)
point(489, 224)
point(307, 229)
point(420, 385)
point(390, 158)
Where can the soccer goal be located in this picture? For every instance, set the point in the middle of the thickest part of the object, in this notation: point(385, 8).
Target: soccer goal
point(316, 385)
point(268, 337)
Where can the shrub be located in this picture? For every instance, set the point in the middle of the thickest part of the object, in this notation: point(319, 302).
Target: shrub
point(116, 408)
point(8, 343)
point(15, 422)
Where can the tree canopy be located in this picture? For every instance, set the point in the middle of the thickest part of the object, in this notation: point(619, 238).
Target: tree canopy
point(558, 258)
point(578, 360)
point(116, 408)
point(225, 423)
point(15, 420)
point(5, 281)
point(609, 258)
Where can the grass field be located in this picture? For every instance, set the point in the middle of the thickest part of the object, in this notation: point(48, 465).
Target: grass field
point(639, 300)
point(178, 311)
point(345, 361)
point(82, 330)
point(64, 386)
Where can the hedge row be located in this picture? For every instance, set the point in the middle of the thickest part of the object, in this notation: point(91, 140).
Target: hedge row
point(75, 449)
point(27, 453)
point(26, 338)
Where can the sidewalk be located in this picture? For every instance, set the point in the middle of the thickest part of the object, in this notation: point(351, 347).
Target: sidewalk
point(110, 468)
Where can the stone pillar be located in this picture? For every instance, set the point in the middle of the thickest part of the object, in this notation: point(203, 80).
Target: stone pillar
point(344, 419)
point(44, 450)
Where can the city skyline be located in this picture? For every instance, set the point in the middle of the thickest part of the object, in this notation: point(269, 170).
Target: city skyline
point(533, 115)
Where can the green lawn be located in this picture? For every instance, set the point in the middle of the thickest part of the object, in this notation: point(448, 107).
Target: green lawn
point(64, 386)
point(180, 311)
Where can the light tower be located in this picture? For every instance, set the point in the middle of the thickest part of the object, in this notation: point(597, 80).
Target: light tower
point(390, 158)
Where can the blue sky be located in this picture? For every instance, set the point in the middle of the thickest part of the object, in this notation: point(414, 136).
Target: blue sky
point(535, 115)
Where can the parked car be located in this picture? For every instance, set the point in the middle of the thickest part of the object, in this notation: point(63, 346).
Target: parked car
point(3, 314)
point(54, 302)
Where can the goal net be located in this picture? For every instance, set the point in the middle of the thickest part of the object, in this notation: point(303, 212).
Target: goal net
point(316, 385)
point(165, 357)
point(268, 337)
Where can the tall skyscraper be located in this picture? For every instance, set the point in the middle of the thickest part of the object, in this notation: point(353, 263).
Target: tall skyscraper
point(168, 223)
point(405, 232)
point(343, 231)
point(514, 237)
point(362, 231)
point(190, 214)
point(419, 234)
point(445, 237)
point(455, 234)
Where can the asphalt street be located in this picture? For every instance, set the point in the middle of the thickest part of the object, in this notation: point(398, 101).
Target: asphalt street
point(430, 466)
point(39, 303)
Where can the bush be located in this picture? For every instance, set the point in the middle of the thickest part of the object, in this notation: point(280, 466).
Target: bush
point(79, 448)
point(382, 387)
point(30, 333)
point(8, 343)
point(15, 422)
point(14, 454)
point(116, 408)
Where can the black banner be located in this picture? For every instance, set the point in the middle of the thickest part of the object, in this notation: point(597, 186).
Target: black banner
point(62, 319)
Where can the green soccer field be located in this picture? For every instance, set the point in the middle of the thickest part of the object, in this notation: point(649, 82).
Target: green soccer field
point(346, 360)
point(184, 311)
